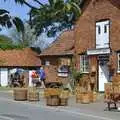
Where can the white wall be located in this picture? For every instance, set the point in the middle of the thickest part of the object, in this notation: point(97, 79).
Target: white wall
point(30, 78)
point(3, 76)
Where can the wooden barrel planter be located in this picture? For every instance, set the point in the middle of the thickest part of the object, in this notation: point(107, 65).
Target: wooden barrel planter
point(33, 96)
point(64, 96)
point(20, 94)
point(52, 100)
point(63, 101)
point(93, 96)
point(85, 98)
point(78, 97)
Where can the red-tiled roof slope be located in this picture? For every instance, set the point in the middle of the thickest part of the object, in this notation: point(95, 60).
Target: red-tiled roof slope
point(21, 58)
point(116, 3)
point(64, 45)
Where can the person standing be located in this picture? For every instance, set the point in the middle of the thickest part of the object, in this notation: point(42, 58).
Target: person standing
point(42, 76)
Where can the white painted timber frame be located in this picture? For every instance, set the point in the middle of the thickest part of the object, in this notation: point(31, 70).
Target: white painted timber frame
point(101, 51)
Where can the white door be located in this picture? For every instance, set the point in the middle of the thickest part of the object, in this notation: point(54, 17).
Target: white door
point(103, 76)
point(4, 76)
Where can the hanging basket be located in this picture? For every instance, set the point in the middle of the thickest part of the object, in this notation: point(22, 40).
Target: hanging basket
point(20, 94)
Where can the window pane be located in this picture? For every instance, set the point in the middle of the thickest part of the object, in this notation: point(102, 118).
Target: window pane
point(105, 29)
point(99, 31)
point(84, 63)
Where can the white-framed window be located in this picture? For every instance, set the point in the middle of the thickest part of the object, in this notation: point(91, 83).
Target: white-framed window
point(84, 63)
point(102, 34)
point(118, 62)
point(63, 71)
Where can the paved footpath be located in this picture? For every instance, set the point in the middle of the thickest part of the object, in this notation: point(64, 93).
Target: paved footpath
point(93, 111)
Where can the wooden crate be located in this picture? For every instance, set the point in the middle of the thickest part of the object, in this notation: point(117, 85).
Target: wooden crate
point(20, 94)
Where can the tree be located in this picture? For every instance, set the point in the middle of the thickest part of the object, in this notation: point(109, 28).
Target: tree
point(26, 40)
point(29, 39)
point(6, 43)
point(54, 16)
point(8, 21)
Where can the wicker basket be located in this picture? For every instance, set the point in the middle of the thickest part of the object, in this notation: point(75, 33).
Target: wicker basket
point(20, 94)
point(53, 100)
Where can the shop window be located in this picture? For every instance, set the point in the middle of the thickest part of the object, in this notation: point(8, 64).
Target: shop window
point(118, 62)
point(63, 71)
point(84, 63)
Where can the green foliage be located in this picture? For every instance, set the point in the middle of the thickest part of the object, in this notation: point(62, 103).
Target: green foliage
point(54, 16)
point(7, 44)
point(76, 75)
point(8, 21)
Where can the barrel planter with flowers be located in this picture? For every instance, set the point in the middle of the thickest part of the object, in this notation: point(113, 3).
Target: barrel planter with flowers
point(52, 96)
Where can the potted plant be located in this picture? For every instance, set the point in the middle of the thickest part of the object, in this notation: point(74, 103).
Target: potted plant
point(76, 76)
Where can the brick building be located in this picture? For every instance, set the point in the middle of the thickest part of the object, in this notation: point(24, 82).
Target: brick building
point(56, 59)
point(12, 60)
point(97, 40)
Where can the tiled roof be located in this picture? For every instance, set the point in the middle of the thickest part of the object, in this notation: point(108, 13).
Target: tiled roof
point(116, 3)
point(64, 45)
point(20, 58)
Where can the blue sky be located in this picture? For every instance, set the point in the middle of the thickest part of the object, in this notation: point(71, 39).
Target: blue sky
point(16, 10)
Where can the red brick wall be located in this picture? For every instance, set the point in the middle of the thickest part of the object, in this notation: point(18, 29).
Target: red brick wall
point(85, 28)
point(51, 71)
